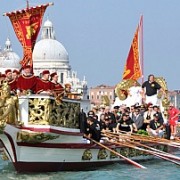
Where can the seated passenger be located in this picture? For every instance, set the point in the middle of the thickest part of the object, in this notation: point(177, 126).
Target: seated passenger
point(138, 119)
point(56, 87)
point(26, 82)
point(125, 124)
point(44, 86)
point(155, 128)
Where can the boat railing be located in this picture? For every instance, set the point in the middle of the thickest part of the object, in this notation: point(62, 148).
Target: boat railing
point(37, 109)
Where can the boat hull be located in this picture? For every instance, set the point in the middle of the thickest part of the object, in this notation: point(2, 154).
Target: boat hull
point(55, 155)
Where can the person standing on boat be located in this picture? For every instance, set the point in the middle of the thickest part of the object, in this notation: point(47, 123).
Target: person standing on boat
point(173, 114)
point(26, 82)
point(134, 94)
point(56, 87)
point(11, 82)
point(15, 74)
point(44, 86)
point(150, 90)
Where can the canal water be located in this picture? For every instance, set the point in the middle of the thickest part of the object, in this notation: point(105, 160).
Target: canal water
point(156, 169)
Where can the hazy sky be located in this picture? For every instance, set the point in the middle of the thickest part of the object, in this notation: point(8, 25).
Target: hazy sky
point(98, 33)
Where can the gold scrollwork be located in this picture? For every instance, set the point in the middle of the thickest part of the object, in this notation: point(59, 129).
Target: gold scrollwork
point(34, 137)
point(9, 106)
point(112, 155)
point(87, 155)
point(46, 111)
point(102, 154)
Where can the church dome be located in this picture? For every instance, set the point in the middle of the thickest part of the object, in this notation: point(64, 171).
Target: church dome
point(48, 49)
point(9, 59)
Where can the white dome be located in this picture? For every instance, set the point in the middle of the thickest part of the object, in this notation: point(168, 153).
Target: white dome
point(47, 49)
point(10, 60)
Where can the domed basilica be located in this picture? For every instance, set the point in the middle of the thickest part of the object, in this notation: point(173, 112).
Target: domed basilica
point(8, 58)
point(48, 54)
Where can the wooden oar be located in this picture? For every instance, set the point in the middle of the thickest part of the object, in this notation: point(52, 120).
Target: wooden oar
point(137, 143)
point(118, 154)
point(149, 139)
point(161, 153)
point(145, 150)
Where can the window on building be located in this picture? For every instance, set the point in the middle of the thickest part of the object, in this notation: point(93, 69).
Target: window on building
point(62, 78)
point(97, 96)
point(92, 97)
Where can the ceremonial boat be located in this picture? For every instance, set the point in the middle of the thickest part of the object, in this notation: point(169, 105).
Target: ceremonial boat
point(42, 133)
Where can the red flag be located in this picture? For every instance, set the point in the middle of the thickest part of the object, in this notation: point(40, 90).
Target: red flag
point(132, 69)
point(26, 24)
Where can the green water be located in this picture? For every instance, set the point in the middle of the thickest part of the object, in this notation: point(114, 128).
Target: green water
point(156, 169)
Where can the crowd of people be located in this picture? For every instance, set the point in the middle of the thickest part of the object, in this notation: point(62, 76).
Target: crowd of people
point(141, 111)
point(146, 117)
point(24, 82)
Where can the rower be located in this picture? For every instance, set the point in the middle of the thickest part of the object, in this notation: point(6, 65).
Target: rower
point(94, 129)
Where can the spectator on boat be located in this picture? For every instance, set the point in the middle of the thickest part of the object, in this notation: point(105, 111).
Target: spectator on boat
point(95, 109)
point(2, 78)
point(142, 109)
point(138, 119)
point(15, 74)
point(150, 90)
point(26, 82)
point(109, 113)
point(132, 111)
point(56, 87)
point(102, 120)
point(105, 124)
point(155, 128)
point(135, 94)
point(101, 111)
point(156, 109)
point(173, 114)
point(11, 82)
point(125, 124)
point(44, 86)
point(82, 121)
point(116, 113)
point(148, 115)
point(94, 129)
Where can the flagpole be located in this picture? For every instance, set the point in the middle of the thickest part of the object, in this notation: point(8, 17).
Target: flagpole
point(142, 48)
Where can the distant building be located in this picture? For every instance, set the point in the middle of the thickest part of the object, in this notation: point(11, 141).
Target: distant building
point(96, 94)
point(8, 58)
point(175, 97)
point(50, 54)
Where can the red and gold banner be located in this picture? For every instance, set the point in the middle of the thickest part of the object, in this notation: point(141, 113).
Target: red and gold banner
point(26, 24)
point(132, 69)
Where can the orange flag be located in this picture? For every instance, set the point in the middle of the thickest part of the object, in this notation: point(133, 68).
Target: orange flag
point(132, 69)
point(26, 24)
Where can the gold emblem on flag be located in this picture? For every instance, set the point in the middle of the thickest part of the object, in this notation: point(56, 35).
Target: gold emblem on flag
point(31, 30)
